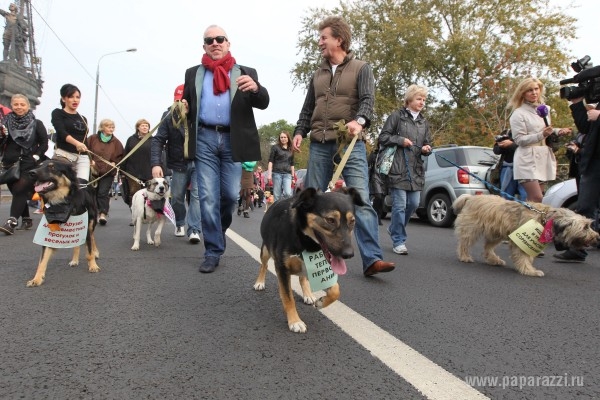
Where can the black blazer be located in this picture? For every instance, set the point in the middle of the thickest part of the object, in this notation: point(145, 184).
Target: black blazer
point(245, 142)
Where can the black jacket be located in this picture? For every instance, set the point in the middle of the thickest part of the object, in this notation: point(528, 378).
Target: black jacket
point(172, 139)
point(11, 151)
point(245, 142)
point(589, 161)
point(407, 171)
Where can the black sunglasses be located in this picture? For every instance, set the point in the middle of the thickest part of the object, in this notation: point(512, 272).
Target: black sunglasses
point(219, 39)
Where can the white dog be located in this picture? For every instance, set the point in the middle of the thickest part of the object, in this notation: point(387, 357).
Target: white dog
point(146, 208)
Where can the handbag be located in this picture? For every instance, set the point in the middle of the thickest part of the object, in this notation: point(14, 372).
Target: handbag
point(386, 160)
point(10, 174)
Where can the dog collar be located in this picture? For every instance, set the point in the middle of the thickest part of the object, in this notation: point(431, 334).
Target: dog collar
point(157, 205)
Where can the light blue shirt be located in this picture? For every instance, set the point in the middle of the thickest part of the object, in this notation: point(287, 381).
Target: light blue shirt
point(214, 109)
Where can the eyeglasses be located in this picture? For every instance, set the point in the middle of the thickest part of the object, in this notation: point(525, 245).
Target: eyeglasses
point(219, 39)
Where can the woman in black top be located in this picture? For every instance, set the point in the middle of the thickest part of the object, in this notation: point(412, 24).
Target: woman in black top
point(137, 164)
point(71, 132)
point(281, 167)
point(24, 139)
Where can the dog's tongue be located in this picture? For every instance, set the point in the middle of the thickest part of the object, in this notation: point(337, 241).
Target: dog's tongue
point(40, 187)
point(338, 265)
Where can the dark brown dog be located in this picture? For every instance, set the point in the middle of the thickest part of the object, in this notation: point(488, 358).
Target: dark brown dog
point(309, 221)
point(57, 185)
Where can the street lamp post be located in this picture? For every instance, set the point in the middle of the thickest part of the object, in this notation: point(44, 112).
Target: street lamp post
point(98, 82)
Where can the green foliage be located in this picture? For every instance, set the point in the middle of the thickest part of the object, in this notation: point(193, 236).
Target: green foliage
point(470, 53)
point(268, 137)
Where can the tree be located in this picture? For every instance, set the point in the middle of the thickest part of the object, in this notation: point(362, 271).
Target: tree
point(470, 53)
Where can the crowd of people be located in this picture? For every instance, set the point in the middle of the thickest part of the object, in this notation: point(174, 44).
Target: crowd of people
point(208, 142)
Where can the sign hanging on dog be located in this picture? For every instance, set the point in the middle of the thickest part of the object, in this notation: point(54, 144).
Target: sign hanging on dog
point(318, 270)
point(66, 235)
point(527, 237)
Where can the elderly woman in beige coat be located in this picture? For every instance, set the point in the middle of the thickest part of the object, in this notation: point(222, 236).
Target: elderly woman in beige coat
point(534, 161)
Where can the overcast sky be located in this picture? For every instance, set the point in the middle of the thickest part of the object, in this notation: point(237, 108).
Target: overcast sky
point(72, 35)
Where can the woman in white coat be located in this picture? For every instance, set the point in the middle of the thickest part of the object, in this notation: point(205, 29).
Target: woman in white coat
point(534, 161)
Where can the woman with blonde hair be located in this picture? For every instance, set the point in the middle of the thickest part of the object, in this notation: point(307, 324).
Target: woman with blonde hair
point(534, 162)
point(406, 130)
point(107, 151)
point(137, 164)
point(23, 140)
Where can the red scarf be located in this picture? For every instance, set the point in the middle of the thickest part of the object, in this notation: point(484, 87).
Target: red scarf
point(220, 69)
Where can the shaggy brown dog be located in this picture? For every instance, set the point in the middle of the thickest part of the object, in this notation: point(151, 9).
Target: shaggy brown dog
point(494, 218)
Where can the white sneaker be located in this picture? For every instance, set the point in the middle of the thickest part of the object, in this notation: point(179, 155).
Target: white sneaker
point(194, 238)
point(180, 231)
point(400, 249)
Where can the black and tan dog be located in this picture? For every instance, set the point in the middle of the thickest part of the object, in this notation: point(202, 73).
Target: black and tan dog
point(309, 221)
point(57, 185)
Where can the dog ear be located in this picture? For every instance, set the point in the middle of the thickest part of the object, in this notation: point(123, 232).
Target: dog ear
point(352, 192)
point(305, 199)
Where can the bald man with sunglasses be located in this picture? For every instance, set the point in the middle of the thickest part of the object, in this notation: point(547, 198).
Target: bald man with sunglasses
point(220, 96)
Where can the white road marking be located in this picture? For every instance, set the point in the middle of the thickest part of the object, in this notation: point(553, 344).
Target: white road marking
point(430, 379)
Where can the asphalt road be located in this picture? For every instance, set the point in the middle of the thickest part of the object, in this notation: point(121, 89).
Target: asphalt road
point(149, 325)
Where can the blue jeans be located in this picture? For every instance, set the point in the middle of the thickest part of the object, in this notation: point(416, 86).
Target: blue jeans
point(404, 204)
point(356, 173)
point(282, 185)
point(509, 185)
point(218, 187)
point(179, 184)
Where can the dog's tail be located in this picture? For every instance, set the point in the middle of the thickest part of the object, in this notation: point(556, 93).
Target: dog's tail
point(460, 202)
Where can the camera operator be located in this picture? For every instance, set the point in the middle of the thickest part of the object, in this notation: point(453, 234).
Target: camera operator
point(574, 154)
point(505, 146)
point(587, 123)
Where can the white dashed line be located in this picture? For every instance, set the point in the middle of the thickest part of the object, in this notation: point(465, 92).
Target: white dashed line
point(430, 379)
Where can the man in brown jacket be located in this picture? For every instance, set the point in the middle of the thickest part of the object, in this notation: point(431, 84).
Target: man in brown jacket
point(343, 88)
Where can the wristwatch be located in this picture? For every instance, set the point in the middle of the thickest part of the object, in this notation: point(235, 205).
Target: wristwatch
point(361, 121)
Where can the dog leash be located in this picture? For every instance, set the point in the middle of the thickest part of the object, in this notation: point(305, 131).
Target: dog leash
point(340, 167)
point(119, 170)
point(135, 148)
point(340, 126)
point(489, 185)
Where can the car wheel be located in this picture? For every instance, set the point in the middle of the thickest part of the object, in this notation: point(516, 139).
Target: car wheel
point(439, 210)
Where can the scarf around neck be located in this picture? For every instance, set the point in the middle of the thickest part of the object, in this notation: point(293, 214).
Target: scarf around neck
point(220, 69)
point(21, 129)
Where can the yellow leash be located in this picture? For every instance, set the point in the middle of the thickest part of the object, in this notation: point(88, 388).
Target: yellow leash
point(341, 127)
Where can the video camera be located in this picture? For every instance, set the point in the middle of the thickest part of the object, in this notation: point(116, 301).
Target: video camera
point(504, 135)
point(588, 80)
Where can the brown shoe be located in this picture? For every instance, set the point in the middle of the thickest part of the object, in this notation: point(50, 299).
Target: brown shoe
point(379, 266)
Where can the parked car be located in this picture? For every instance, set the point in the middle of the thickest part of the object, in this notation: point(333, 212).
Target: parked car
point(444, 182)
point(562, 194)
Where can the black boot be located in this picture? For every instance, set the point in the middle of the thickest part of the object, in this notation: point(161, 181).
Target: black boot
point(9, 227)
point(26, 224)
